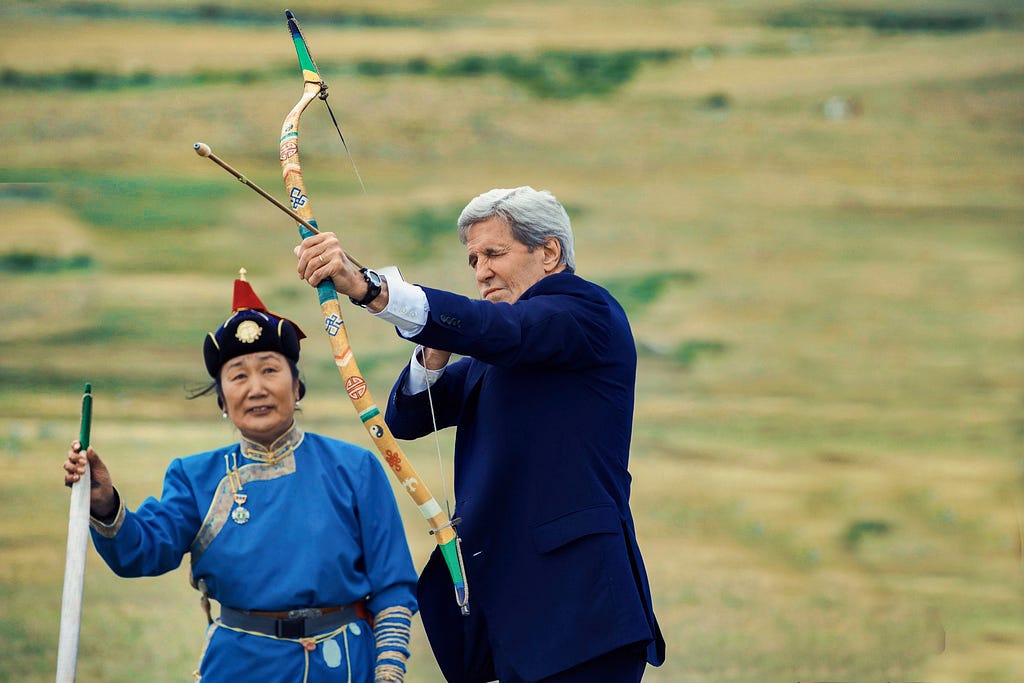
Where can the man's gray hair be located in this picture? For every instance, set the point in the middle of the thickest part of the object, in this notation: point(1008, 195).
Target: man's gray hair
point(534, 216)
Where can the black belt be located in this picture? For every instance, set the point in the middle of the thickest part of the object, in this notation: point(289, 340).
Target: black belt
point(299, 623)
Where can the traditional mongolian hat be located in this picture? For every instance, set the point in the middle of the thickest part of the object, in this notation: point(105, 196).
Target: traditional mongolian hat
point(250, 328)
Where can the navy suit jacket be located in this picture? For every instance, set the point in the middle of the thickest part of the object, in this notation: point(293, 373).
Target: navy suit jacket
point(543, 405)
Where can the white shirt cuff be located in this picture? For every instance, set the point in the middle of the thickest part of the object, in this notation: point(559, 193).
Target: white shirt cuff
point(419, 376)
point(407, 305)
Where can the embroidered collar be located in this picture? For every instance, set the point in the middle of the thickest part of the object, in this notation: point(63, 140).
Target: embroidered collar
point(280, 449)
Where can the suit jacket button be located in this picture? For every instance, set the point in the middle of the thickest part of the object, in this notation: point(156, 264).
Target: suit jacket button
point(450, 321)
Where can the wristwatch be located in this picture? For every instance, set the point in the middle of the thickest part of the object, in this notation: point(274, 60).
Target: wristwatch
point(373, 283)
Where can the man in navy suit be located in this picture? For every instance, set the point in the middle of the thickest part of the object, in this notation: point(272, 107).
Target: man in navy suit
point(542, 399)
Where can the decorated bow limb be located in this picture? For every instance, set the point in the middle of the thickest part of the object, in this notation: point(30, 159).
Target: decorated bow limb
point(441, 526)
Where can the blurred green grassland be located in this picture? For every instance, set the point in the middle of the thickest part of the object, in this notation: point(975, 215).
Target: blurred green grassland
point(812, 212)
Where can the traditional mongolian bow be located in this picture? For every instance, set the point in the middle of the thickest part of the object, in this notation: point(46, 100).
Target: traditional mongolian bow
point(441, 525)
point(355, 386)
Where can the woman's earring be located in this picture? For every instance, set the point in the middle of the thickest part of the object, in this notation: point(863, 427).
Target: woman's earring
point(225, 414)
point(297, 406)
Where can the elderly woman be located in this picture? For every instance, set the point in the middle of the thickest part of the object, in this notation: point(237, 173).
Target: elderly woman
point(296, 535)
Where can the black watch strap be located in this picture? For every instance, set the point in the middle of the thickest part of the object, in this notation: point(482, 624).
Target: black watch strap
point(373, 284)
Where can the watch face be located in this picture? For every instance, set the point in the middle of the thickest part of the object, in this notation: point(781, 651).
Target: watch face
point(373, 277)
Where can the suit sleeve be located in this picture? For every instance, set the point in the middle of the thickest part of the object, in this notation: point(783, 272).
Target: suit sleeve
point(567, 331)
point(409, 416)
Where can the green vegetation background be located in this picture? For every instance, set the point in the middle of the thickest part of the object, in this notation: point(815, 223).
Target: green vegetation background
point(812, 211)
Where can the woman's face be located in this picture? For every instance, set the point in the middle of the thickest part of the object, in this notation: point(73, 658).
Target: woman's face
point(260, 394)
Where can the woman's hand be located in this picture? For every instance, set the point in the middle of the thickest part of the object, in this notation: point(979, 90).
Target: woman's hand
point(102, 500)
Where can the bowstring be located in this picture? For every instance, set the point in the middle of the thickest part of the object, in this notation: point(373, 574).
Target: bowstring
point(323, 96)
point(437, 444)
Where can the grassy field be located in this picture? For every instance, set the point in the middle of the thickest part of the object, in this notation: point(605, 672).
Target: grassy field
point(812, 211)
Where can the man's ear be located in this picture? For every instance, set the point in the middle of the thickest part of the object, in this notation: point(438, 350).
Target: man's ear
point(552, 254)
